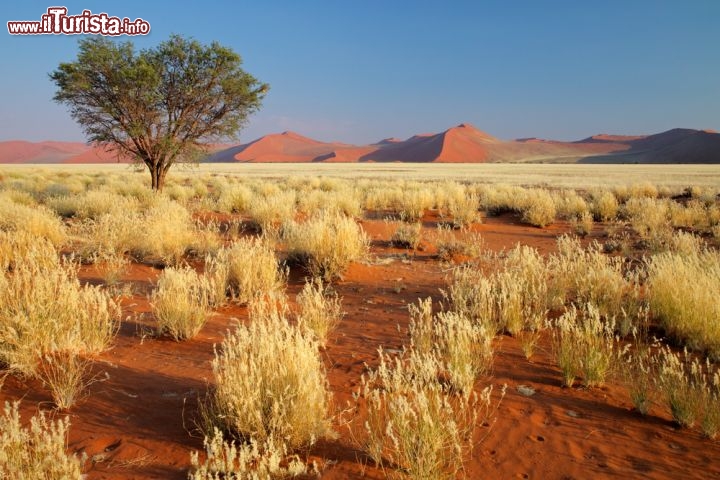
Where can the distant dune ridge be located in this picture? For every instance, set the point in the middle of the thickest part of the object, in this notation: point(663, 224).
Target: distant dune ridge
point(461, 144)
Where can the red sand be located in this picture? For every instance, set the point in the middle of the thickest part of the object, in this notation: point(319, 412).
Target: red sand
point(138, 423)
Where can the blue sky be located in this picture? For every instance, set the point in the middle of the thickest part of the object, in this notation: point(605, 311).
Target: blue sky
point(359, 71)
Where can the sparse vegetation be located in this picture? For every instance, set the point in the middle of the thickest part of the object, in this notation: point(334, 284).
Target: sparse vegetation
point(690, 314)
point(319, 310)
point(415, 425)
point(37, 451)
point(594, 308)
point(181, 302)
point(270, 383)
point(326, 244)
point(247, 269)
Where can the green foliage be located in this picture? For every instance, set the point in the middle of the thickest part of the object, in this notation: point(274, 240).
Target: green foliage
point(159, 105)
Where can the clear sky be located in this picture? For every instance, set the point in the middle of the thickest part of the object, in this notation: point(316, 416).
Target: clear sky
point(359, 71)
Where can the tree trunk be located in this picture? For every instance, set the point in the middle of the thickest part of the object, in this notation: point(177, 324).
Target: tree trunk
point(158, 178)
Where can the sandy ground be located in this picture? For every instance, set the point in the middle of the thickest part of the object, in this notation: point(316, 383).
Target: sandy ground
point(137, 420)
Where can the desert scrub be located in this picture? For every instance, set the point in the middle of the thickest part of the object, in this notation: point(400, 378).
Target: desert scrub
point(691, 390)
point(229, 459)
point(326, 244)
point(511, 299)
point(538, 208)
point(569, 204)
point(270, 211)
point(649, 217)
point(580, 276)
point(463, 242)
point(345, 200)
point(37, 220)
point(247, 268)
point(270, 382)
point(682, 290)
point(65, 374)
point(462, 347)
point(112, 267)
point(233, 199)
point(638, 372)
point(407, 235)
point(584, 347)
point(582, 225)
point(319, 310)
point(181, 302)
point(162, 233)
point(44, 309)
point(463, 210)
point(37, 451)
point(604, 206)
point(418, 427)
point(412, 203)
point(91, 204)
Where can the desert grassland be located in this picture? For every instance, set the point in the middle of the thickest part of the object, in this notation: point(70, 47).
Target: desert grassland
point(224, 236)
point(530, 174)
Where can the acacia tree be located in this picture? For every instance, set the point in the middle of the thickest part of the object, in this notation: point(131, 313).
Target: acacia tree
point(161, 105)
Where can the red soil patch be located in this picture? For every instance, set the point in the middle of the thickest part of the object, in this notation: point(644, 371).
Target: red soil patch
point(138, 421)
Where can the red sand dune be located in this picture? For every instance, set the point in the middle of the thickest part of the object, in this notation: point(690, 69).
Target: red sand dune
point(18, 151)
point(463, 143)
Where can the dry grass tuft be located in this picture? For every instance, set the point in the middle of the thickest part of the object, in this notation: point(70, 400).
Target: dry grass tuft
point(319, 310)
point(682, 290)
point(270, 381)
point(181, 302)
point(45, 309)
point(246, 269)
point(326, 244)
point(37, 451)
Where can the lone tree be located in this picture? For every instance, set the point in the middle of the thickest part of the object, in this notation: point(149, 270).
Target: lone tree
point(159, 106)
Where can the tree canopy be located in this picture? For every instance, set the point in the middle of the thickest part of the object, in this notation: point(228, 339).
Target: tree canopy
point(161, 105)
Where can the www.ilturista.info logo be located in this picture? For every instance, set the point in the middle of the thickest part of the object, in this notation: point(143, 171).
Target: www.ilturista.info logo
point(57, 22)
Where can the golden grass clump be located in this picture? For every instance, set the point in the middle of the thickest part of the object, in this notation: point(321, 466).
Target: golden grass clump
point(513, 298)
point(463, 348)
point(570, 204)
point(649, 217)
point(246, 269)
point(37, 451)
point(181, 302)
point(91, 204)
point(690, 390)
point(319, 310)
point(65, 374)
point(414, 424)
point(345, 200)
point(587, 276)
point(44, 309)
point(582, 225)
point(326, 244)
point(450, 242)
point(464, 210)
point(37, 220)
point(584, 347)
point(270, 383)
point(538, 208)
point(163, 233)
point(682, 289)
point(270, 211)
point(407, 235)
point(227, 459)
point(234, 199)
point(604, 206)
